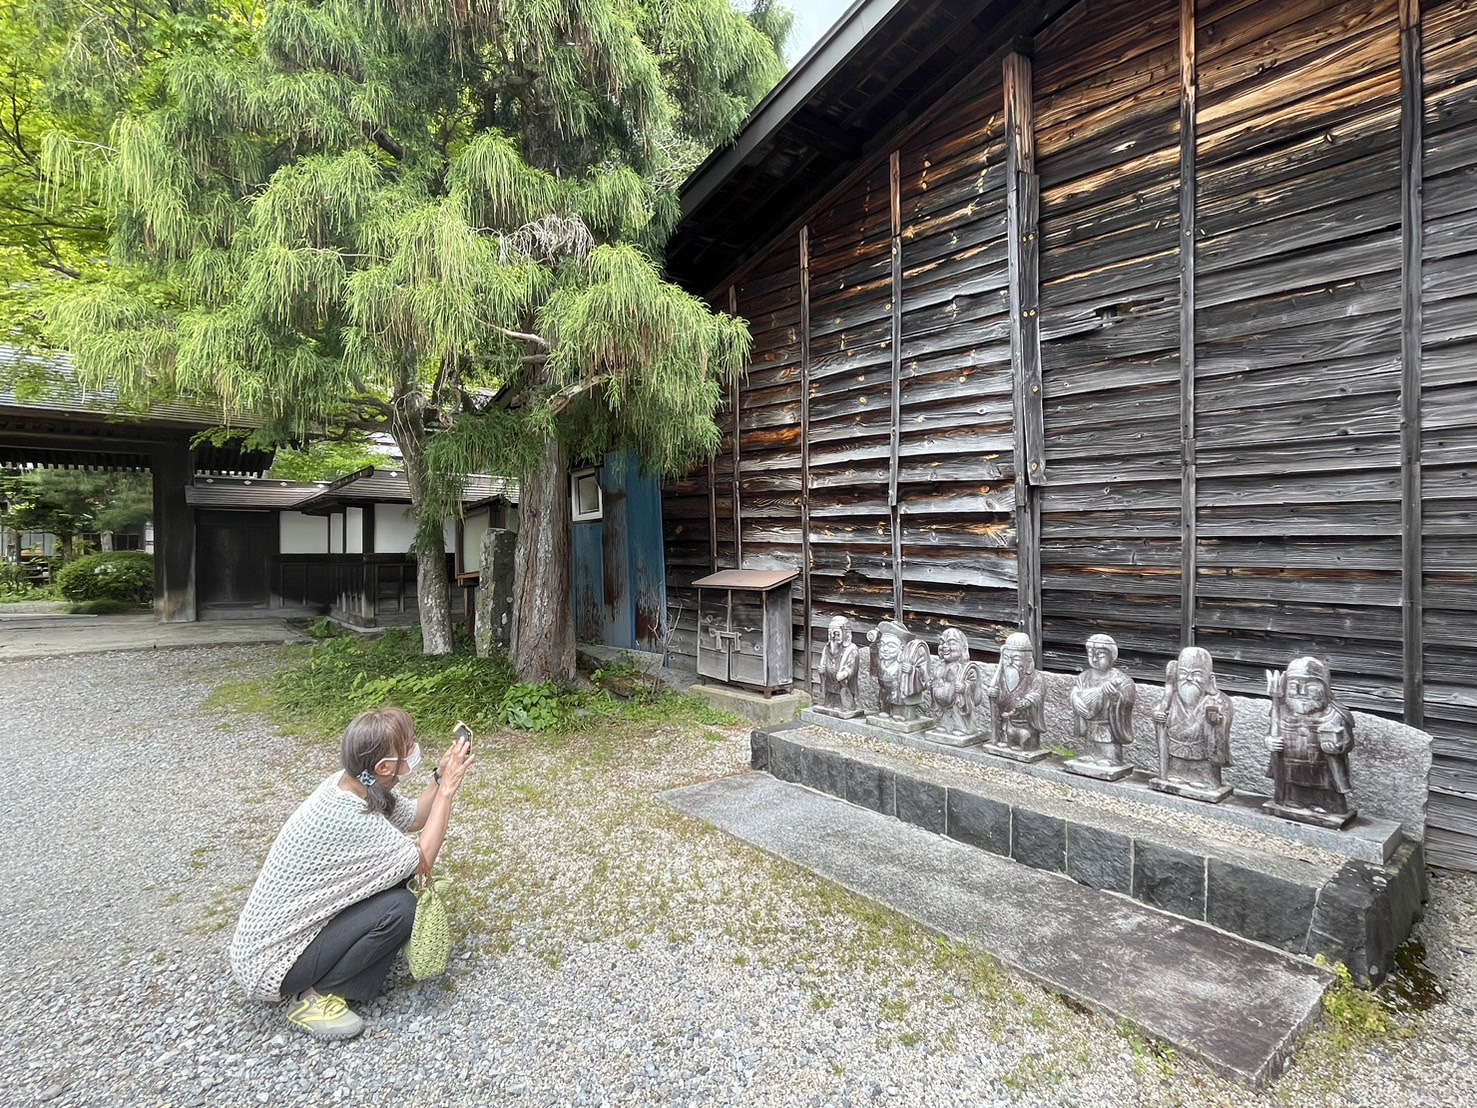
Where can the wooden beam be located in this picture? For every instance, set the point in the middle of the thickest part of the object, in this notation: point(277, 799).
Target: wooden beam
point(1022, 205)
point(733, 403)
point(805, 442)
point(1189, 83)
point(1412, 109)
point(894, 178)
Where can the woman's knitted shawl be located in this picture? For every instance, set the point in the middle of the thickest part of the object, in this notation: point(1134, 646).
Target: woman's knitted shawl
point(331, 853)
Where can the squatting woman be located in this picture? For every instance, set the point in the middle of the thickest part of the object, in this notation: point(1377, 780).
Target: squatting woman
point(330, 908)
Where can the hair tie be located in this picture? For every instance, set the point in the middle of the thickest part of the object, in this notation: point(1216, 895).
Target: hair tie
point(367, 779)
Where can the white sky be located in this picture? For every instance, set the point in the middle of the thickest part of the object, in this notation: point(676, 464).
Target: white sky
point(813, 18)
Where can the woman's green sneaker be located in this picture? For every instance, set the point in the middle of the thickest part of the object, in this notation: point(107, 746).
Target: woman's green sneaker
point(325, 1017)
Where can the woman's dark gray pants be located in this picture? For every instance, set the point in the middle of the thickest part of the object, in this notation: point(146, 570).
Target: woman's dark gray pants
point(351, 956)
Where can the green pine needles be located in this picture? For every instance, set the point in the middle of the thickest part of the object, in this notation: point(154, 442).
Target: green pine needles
point(440, 220)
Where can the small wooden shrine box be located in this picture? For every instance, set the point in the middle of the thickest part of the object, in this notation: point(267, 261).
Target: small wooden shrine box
point(744, 628)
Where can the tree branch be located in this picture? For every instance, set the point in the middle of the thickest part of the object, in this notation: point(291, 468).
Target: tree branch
point(521, 336)
point(570, 393)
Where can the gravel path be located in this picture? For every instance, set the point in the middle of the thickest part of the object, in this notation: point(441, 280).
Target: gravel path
point(616, 953)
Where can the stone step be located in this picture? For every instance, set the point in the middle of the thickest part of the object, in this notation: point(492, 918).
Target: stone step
point(1237, 1006)
point(1253, 875)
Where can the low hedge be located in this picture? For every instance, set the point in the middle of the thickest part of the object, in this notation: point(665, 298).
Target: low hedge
point(126, 575)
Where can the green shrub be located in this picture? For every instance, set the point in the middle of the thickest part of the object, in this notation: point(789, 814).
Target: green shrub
point(126, 575)
point(105, 607)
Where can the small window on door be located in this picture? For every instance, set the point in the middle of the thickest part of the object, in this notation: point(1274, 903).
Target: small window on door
point(584, 495)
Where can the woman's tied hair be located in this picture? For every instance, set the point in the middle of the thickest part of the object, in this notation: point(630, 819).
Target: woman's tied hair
point(371, 738)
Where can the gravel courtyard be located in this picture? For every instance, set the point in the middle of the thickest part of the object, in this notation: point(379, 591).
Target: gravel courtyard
point(611, 950)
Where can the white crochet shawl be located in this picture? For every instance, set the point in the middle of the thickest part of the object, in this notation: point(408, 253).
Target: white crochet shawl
point(331, 853)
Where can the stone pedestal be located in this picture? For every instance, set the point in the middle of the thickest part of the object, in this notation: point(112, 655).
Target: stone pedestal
point(837, 713)
point(1100, 771)
point(954, 738)
point(761, 710)
point(1015, 753)
point(901, 726)
point(1185, 788)
point(1336, 820)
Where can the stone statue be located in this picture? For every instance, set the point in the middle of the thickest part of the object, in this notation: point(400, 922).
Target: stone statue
point(839, 671)
point(1193, 726)
point(1017, 696)
point(1102, 712)
point(955, 685)
point(900, 665)
point(1310, 737)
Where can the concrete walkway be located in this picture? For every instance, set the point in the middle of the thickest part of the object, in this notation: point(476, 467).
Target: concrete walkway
point(41, 634)
point(1237, 1006)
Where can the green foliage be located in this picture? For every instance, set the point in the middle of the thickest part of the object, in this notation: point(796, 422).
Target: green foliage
point(1353, 1014)
point(540, 707)
point(126, 575)
point(324, 461)
point(104, 607)
point(16, 585)
point(427, 219)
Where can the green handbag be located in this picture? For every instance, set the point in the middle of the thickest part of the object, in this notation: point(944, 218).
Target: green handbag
point(429, 948)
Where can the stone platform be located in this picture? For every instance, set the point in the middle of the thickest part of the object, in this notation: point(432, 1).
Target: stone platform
point(1236, 868)
point(1236, 1006)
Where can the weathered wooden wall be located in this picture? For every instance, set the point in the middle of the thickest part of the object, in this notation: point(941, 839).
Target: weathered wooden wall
point(1448, 418)
point(1107, 134)
point(1251, 297)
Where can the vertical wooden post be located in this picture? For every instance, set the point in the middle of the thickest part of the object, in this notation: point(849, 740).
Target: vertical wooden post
point(733, 403)
point(1022, 207)
point(895, 511)
point(174, 535)
point(1412, 169)
point(805, 441)
point(1189, 83)
point(712, 518)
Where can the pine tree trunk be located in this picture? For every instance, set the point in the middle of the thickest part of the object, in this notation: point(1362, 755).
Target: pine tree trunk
point(543, 620)
point(433, 585)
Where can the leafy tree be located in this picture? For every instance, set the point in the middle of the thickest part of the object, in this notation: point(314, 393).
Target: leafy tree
point(324, 460)
point(67, 502)
point(437, 219)
point(68, 67)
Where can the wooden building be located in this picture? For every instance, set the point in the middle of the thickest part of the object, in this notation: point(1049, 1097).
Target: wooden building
point(1153, 317)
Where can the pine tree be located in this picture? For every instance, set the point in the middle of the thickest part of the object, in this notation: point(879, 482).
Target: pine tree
point(439, 219)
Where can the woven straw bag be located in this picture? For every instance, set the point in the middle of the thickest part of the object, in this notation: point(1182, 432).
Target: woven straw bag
point(429, 948)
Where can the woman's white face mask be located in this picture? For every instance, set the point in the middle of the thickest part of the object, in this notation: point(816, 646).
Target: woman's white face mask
point(412, 760)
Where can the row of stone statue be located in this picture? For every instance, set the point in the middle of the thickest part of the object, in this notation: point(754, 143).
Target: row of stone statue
point(1308, 740)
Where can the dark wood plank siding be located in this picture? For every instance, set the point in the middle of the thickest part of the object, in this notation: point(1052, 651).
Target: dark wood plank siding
point(1107, 134)
point(1449, 424)
point(850, 403)
point(1298, 368)
point(956, 470)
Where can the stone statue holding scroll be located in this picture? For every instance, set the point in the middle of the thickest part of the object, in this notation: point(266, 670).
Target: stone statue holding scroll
point(956, 686)
point(839, 671)
point(1102, 712)
point(1193, 727)
point(900, 666)
point(1309, 740)
point(1017, 696)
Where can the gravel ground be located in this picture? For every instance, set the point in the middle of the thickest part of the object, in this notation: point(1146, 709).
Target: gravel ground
point(612, 951)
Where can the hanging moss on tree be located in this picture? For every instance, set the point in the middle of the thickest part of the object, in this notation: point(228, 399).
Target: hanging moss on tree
point(439, 220)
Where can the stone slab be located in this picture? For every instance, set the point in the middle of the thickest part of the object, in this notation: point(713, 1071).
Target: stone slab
point(758, 709)
point(1305, 902)
point(1236, 1006)
point(44, 636)
point(1367, 839)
